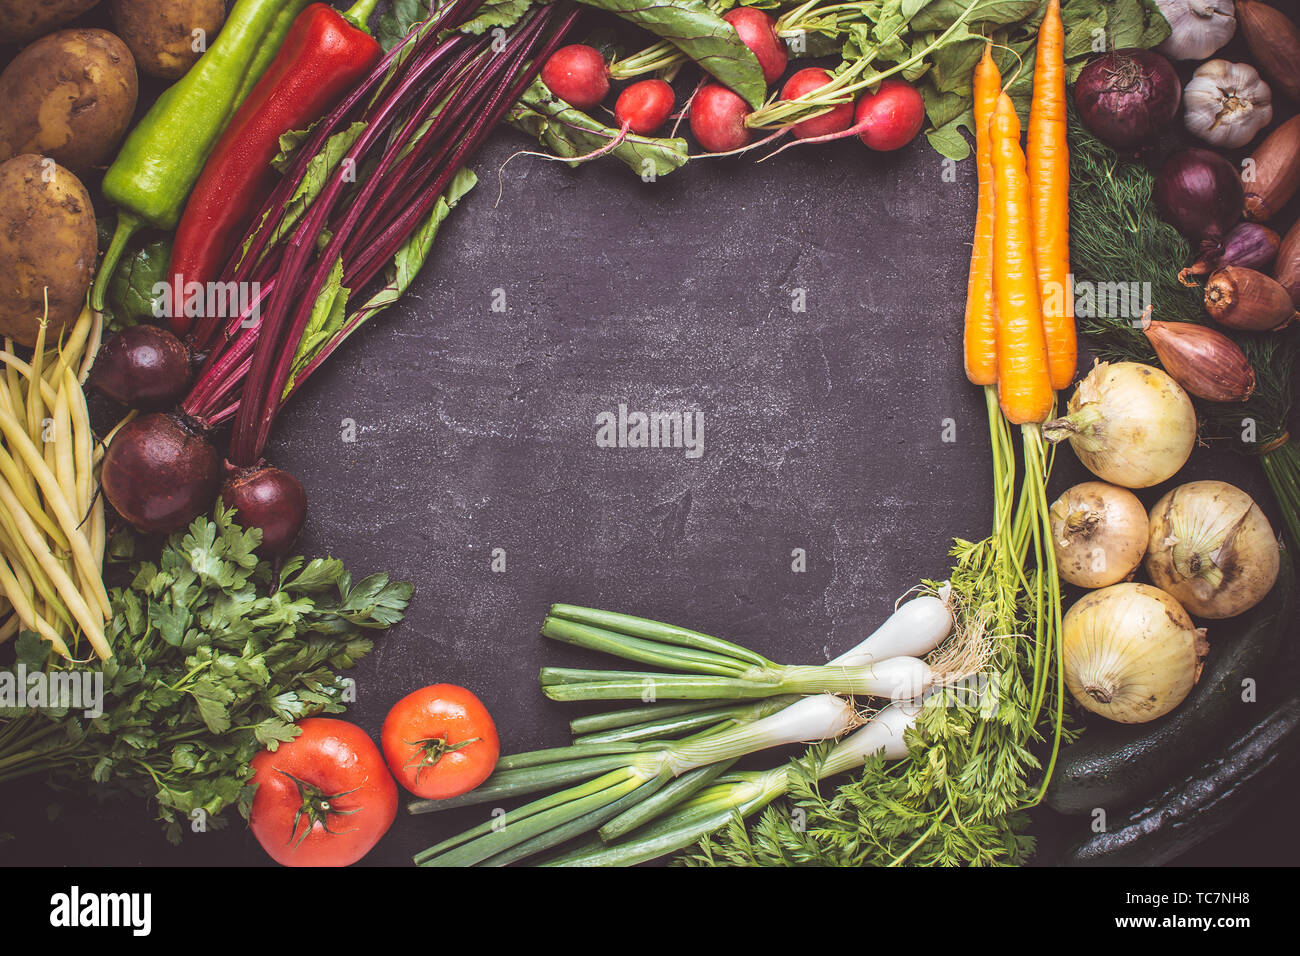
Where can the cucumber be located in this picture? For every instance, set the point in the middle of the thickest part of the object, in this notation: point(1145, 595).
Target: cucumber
point(1116, 766)
point(1193, 809)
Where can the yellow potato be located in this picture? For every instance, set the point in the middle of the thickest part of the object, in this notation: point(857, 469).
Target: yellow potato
point(69, 96)
point(161, 33)
point(23, 20)
point(47, 242)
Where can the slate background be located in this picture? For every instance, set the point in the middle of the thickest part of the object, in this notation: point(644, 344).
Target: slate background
point(476, 430)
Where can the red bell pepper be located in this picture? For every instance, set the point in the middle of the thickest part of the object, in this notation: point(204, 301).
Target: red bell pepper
point(325, 54)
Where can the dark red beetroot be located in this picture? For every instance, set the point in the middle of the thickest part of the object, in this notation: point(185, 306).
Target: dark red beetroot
point(270, 499)
point(758, 32)
point(890, 117)
point(837, 120)
point(644, 106)
point(142, 367)
point(718, 119)
point(160, 472)
point(577, 74)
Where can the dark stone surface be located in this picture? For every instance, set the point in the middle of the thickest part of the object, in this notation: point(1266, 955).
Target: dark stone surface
point(476, 430)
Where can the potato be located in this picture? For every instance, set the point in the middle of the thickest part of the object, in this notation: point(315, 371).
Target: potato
point(23, 20)
point(69, 96)
point(47, 240)
point(160, 33)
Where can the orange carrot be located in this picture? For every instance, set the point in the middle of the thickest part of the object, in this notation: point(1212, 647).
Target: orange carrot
point(1048, 154)
point(1024, 385)
point(981, 332)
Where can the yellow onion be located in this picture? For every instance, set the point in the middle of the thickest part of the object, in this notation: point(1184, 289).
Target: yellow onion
point(1130, 424)
point(1212, 549)
point(1131, 653)
point(1099, 532)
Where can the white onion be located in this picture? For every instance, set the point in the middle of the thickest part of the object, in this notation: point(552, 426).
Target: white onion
point(1129, 423)
point(1212, 548)
point(1131, 653)
point(1099, 532)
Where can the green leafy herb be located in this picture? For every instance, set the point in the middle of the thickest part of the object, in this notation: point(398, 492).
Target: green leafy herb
point(567, 131)
point(702, 35)
point(210, 666)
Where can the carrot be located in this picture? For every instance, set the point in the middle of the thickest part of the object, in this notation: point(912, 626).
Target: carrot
point(1048, 161)
point(981, 331)
point(1024, 385)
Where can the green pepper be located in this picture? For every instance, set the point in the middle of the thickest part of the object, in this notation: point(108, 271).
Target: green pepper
point(162, 158)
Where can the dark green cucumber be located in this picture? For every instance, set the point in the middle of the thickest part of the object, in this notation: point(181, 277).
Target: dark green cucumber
point(1191, 810)
point(1113, 767)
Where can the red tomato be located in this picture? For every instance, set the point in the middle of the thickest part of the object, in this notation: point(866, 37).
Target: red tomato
point(440, 741)
point(323, 799)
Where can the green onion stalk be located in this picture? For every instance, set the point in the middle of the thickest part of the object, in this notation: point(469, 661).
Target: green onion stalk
point(709, 668)
point(1116, 235)
point(741, 794)
point(644, 782)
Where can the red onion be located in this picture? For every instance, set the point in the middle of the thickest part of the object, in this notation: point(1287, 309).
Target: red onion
point(270, 499)
point(142, 367)
point(1199, 193)
point(1126, 98)
point(1249, 244)
point(160, 472)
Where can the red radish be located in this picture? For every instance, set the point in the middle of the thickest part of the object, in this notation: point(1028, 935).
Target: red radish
point(758, 32)
point(644, 106)
point(891, 117)
point(577, 74)
point(270, 499)
point(142, 367)
point(160, 472)
point(837, 120)
point(718, 119)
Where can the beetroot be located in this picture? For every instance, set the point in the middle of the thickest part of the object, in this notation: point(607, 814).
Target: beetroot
point(758, 32)
point(142, 367)
point(160, 472)
point(577, 74)
point(270, 499)
point(837, 120)
point(718, 119)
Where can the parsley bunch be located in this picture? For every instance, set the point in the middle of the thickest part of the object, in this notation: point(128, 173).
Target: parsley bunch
point(211, 664)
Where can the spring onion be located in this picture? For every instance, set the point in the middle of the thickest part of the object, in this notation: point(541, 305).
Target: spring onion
point(642, 772)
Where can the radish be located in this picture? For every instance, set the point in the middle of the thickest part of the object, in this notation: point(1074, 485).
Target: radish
point(758, 32)
point(577, 74)
point(718, 119)
point(891, 117)
point(644, 107)
point(836, 121)
point(885, 120)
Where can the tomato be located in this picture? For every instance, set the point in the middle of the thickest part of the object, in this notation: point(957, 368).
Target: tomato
point(323, 799)
point(440, 741)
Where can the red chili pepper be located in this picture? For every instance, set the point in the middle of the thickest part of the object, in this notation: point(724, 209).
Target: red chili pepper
point(325, 54)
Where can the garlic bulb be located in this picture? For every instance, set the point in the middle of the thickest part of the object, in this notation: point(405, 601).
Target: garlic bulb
point(1198, 27)
point(1130, 652)
point(1226, 104)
